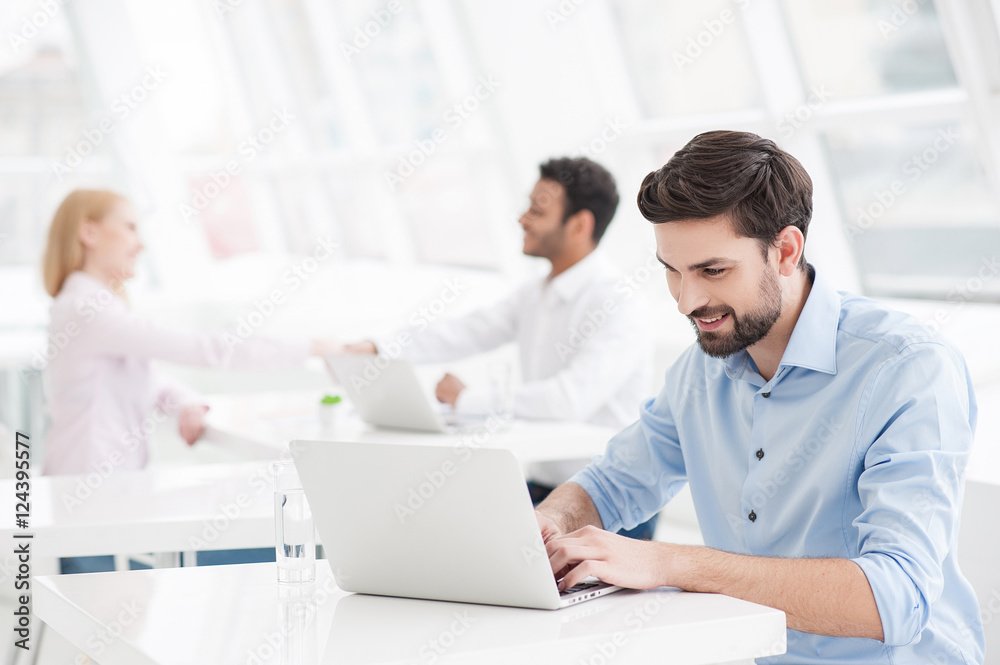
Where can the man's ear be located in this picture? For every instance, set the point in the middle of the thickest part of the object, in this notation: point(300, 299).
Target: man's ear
point(581, 224)
point(790, 244)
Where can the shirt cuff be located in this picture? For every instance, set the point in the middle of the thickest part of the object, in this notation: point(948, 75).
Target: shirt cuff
point(902, 609)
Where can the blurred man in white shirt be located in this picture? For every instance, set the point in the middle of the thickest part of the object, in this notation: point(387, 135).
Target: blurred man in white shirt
point(583, 339)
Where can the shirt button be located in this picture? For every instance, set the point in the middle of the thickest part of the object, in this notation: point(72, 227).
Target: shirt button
point(760, 454)
point(752, 516)
point(767, 394)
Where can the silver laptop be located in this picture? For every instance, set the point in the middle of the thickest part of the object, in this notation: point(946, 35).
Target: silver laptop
point(432, 522)
point(387, 393)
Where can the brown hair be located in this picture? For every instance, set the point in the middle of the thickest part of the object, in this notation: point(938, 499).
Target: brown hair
point(63, 251)
point(759, 186)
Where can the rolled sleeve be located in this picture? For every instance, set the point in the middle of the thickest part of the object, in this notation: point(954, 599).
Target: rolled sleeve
point(921, 417)
point(641, 470)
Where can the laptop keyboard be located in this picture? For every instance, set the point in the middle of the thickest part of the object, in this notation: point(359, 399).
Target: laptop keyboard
point(584, 586)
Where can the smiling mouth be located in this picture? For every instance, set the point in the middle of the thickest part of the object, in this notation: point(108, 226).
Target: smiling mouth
point(712, 323)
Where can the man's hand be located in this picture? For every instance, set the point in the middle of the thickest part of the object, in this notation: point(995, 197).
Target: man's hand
point(548, 527)
point(191, 422)
point(366, 347)
point(590, 551)
point(448, 389)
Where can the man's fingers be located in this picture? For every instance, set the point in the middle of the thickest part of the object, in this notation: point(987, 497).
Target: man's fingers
point(567, 555)
point(547, 526)
point(579, 574)
point(568, 540)
point(589, 531)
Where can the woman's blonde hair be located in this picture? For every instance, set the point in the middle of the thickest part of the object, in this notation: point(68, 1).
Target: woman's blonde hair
point(63, 251)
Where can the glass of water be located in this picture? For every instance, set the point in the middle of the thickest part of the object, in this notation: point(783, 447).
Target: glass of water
point(294, 534)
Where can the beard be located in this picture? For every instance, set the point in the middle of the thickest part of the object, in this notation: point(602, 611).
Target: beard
point(749, 328)
point(549, 245)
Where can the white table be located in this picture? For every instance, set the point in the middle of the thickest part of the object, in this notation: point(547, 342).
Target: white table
point(229, 506)
point(239, 614)
point(261, 424)
point(171, 509)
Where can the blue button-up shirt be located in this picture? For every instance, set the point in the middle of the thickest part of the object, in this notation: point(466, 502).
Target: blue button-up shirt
point(856, 448)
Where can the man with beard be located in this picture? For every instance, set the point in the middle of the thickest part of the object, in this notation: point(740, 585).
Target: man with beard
point(824, 435)
point(583, 341)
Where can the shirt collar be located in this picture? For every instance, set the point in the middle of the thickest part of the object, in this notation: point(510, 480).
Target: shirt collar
point(813, 344)
point(82, 287)
point(569, 283)
point(80, 283)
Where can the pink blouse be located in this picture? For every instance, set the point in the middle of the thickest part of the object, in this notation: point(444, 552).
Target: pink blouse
point(104, 398)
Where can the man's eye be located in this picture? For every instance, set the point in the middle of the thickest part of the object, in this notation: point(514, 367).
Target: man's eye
point(714, 272)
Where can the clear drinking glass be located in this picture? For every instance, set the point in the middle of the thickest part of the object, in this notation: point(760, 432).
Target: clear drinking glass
point(294, 534)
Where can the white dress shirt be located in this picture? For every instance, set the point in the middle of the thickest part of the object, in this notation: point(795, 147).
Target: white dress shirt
point(103, 396)
point(584, 346)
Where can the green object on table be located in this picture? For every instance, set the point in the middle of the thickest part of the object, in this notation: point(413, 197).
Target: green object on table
point(331, 399)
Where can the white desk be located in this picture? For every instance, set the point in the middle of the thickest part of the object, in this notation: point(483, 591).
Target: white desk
point(229, 506)
point(238, 614)
point(173, 509)
point(261, 424)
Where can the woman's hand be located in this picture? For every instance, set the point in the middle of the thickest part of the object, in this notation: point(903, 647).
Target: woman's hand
point(366, 347)
point(191, 422)
point(323, 347)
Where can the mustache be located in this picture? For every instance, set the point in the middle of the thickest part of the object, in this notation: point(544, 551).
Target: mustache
point(710, 314)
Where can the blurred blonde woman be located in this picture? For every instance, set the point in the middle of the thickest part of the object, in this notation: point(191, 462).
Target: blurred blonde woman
point(103, 394)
